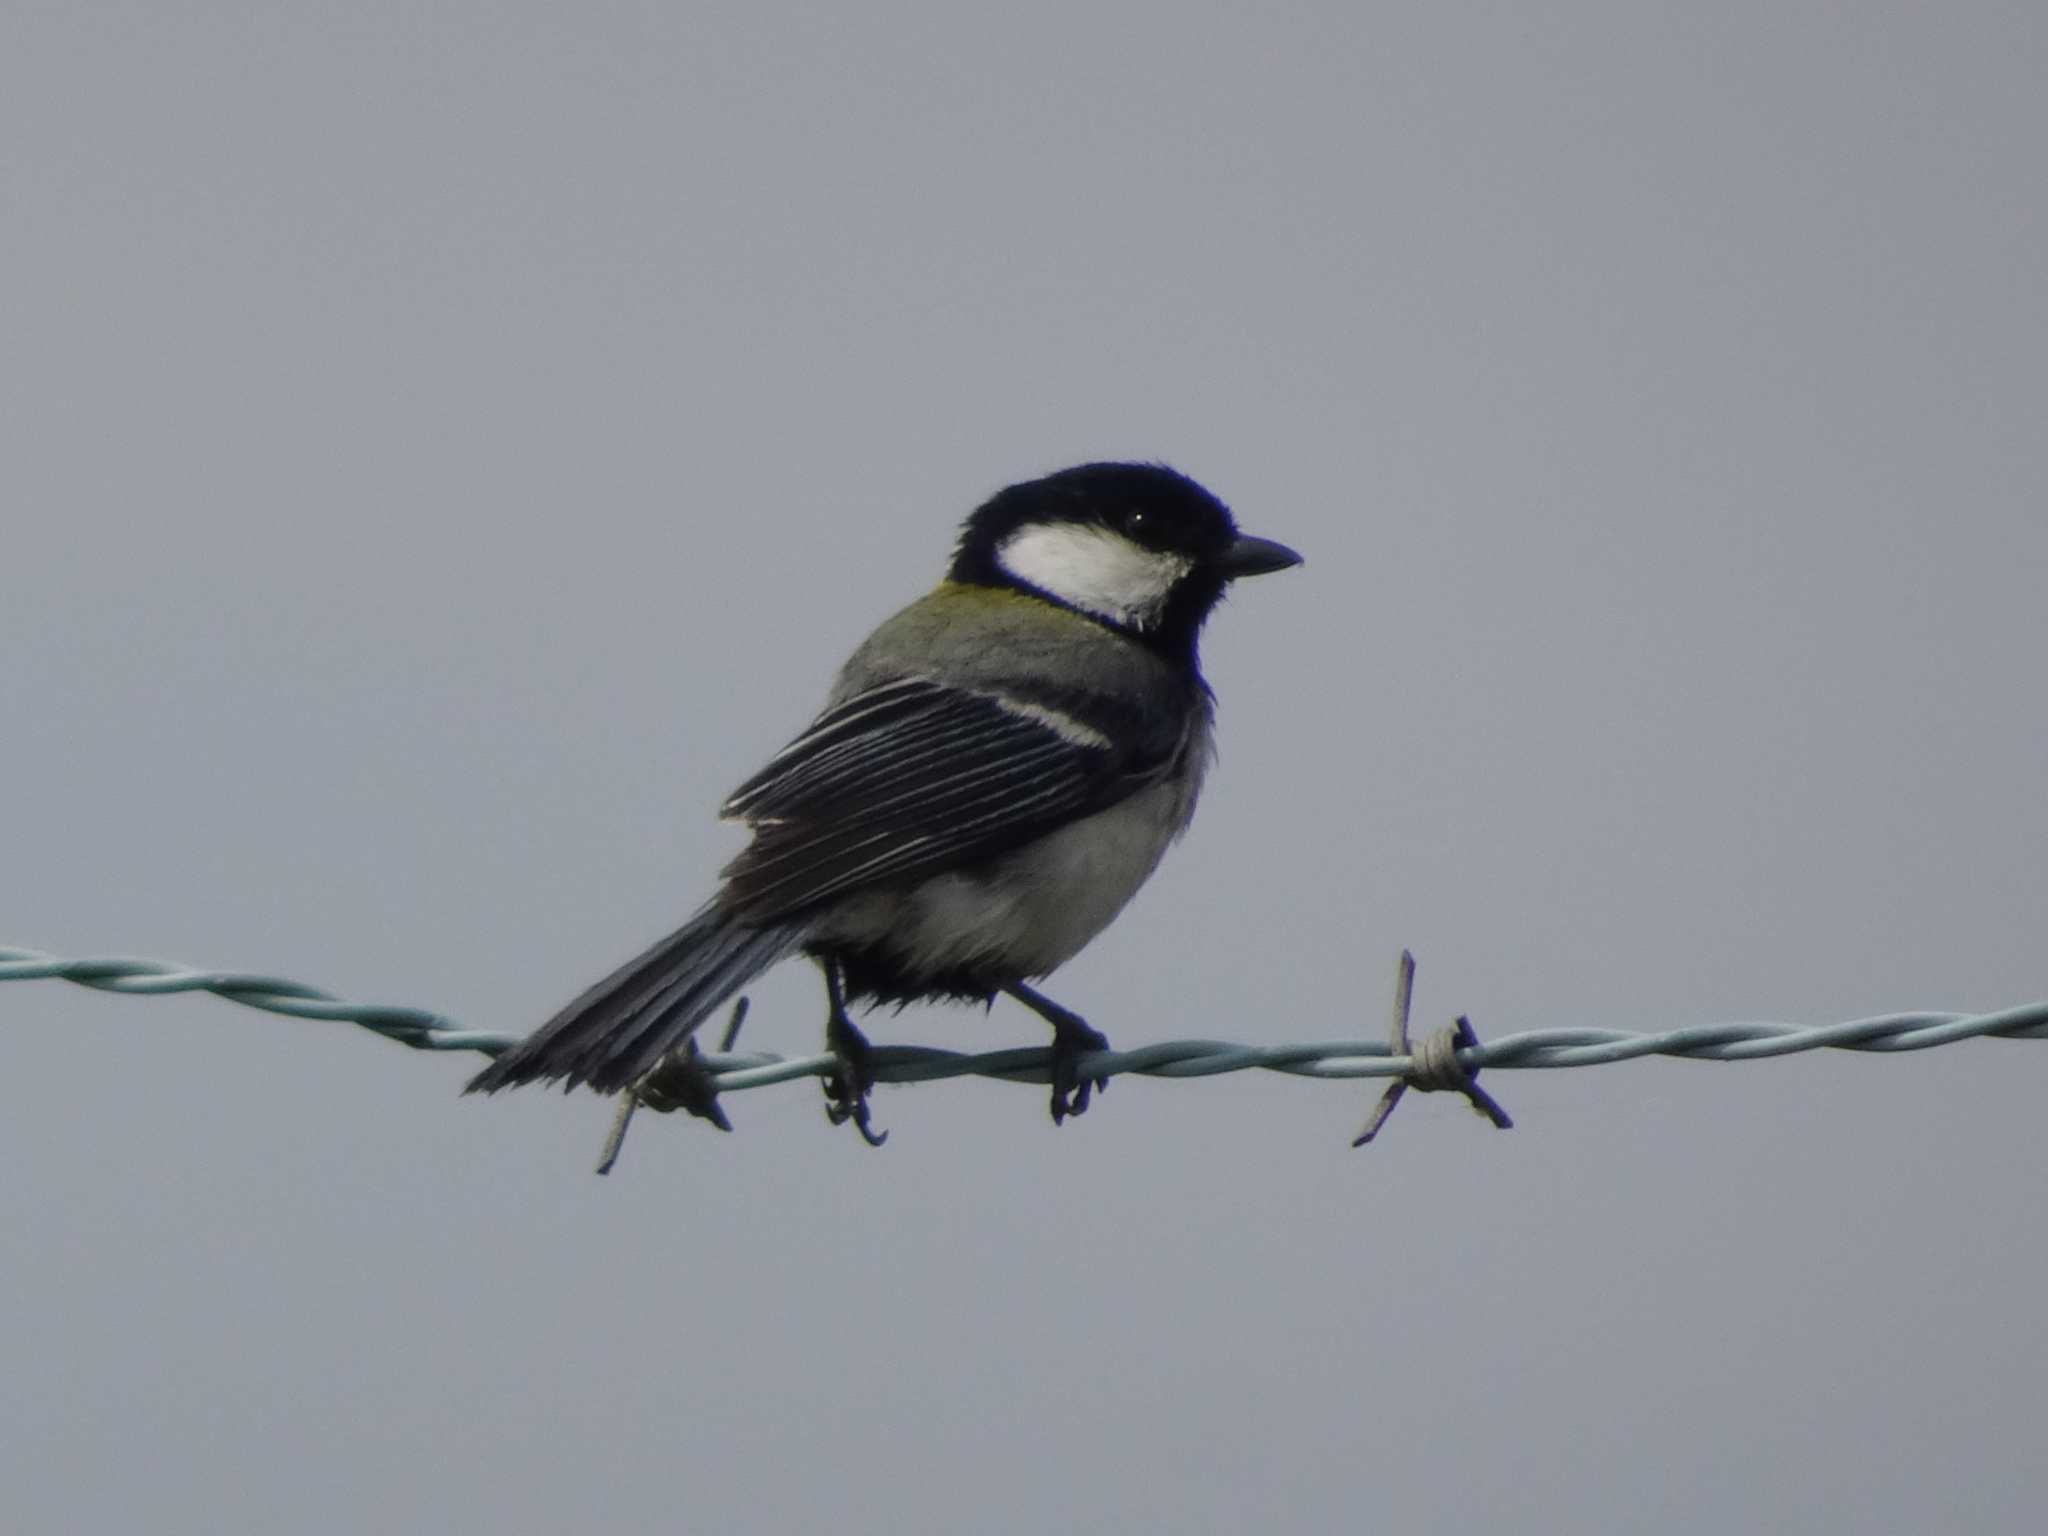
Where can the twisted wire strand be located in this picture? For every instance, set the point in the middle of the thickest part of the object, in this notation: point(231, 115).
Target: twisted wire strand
point(734, 1071)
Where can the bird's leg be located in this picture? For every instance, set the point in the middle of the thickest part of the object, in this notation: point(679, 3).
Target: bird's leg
point(846, 1087)
point(1072, 1038)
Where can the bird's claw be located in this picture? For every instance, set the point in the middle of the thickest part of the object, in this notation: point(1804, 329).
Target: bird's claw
point(1071, 1092)
point(847, 1084)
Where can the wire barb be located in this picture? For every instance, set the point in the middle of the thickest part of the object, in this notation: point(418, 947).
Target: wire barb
point(678, 1081)
point(1435, 1067)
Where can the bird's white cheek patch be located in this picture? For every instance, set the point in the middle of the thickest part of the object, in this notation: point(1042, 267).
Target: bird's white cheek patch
point(1095, 569)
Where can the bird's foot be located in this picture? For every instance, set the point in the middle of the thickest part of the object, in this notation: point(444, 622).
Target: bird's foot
point(1071, 1092)
point(852, 1075)
point(1072, 1038)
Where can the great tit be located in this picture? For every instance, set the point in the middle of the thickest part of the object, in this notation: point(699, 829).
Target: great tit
point(997, 770)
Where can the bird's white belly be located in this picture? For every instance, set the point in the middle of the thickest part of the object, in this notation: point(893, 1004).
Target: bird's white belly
point(1031, 910)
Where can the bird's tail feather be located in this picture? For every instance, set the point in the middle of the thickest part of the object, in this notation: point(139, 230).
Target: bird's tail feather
point(611, 1035)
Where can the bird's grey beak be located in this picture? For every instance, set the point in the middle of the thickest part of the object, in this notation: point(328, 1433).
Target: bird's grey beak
point(1255, 557)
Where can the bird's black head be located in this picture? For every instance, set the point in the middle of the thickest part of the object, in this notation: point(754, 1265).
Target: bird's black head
point(1139, 547)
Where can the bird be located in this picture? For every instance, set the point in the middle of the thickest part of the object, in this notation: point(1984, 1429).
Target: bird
point(997, 770)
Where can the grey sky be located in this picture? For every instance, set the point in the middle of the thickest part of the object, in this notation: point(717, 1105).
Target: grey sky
point(444, 452)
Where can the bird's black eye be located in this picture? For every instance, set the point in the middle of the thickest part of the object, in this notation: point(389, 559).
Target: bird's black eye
point(1136, 523)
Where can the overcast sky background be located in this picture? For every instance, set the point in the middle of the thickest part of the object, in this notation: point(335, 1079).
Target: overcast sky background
point(446, 448)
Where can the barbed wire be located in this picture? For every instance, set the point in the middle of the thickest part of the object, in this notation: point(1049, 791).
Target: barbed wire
point(1449, 1060)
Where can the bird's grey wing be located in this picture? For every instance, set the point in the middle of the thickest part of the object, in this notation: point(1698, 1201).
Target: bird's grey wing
point(913, 776)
